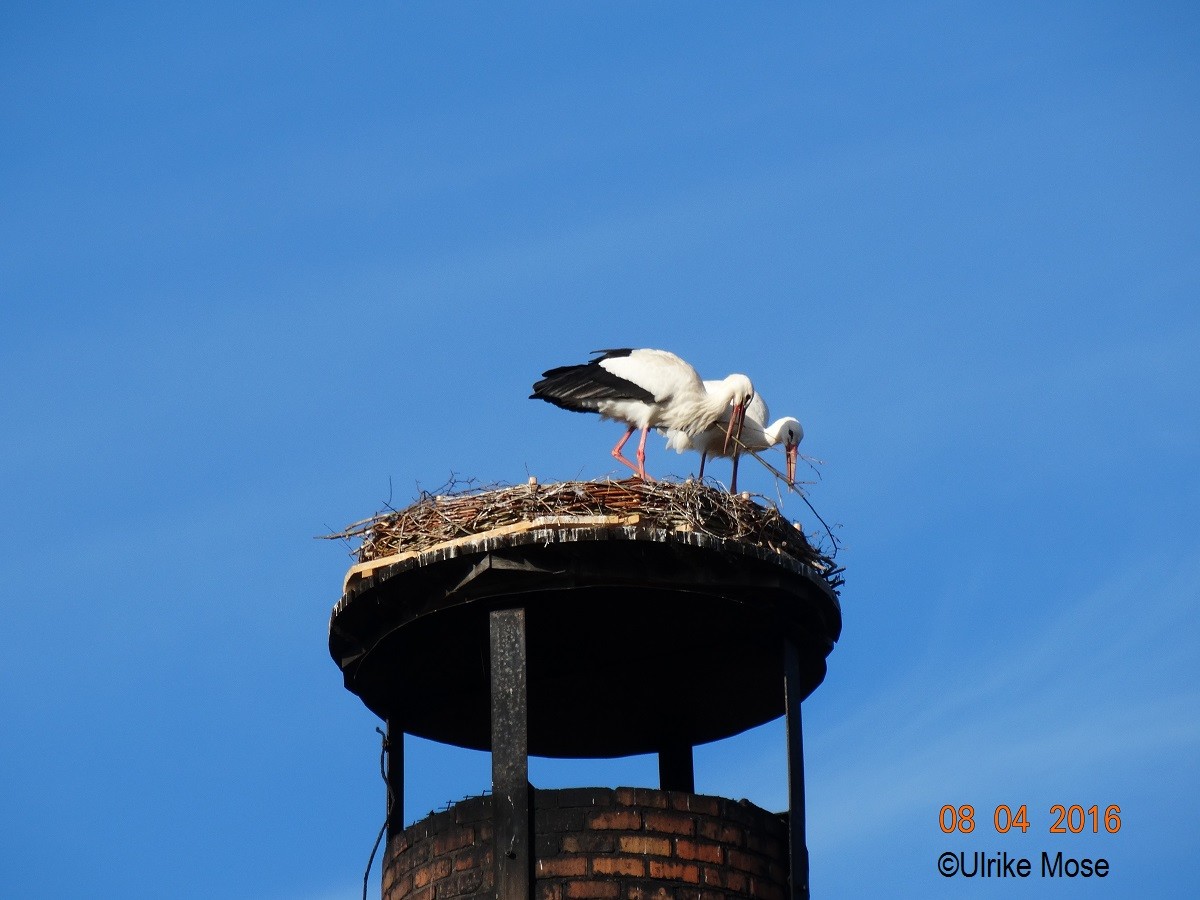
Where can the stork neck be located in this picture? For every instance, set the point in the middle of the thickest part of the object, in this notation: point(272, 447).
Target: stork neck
point(694, 412)
point(773, 431)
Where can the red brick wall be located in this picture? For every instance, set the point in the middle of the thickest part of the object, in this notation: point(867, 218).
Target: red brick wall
point(622, 844)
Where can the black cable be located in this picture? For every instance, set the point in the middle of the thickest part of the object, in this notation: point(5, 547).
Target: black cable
point(383, 748)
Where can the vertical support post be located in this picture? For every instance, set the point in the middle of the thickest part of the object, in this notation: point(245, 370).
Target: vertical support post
point(510, 756)
point(395, 779)
point(676, 769)
point(797, 839)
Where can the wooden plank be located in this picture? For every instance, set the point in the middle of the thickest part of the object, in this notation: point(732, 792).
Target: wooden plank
point(510, 756)
point(368, 568)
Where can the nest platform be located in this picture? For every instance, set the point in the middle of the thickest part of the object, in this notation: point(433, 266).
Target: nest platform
point(655, 613)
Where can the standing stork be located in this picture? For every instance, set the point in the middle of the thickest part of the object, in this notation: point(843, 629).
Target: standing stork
point(756, 435)
point(646, 389)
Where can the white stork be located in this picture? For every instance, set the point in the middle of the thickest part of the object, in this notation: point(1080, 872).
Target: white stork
point(646, 389)
point(756, 435)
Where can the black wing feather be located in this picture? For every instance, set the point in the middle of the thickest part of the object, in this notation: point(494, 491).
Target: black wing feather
point(583, 388)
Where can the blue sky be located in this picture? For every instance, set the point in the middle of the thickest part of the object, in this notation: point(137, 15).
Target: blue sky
point(264, 269)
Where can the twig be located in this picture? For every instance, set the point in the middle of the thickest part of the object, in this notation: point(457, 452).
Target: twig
point(800, 493)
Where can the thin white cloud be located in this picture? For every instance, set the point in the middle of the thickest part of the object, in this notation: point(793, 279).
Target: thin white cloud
point(1108, 680)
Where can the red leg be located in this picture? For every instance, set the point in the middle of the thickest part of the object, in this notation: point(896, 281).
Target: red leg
point(616, 451)
point(733, 481)
point(703, 460)
point(641, 455)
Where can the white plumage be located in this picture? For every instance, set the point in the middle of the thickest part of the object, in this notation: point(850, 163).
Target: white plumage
point(756, 435)
point(647, 389)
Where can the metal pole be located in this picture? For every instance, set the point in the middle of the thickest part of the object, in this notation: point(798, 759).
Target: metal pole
point(395, 779)
point(797, 840)
point(510, 756)
point(676, 769)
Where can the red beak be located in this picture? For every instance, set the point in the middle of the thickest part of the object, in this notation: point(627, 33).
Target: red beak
point(792, 450)
point(735, 425)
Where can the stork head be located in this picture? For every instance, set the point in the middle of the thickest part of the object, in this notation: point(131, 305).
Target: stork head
point(791, 433)
point(741, 392)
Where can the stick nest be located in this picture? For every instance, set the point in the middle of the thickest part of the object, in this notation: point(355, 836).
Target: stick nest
point(436, 518)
